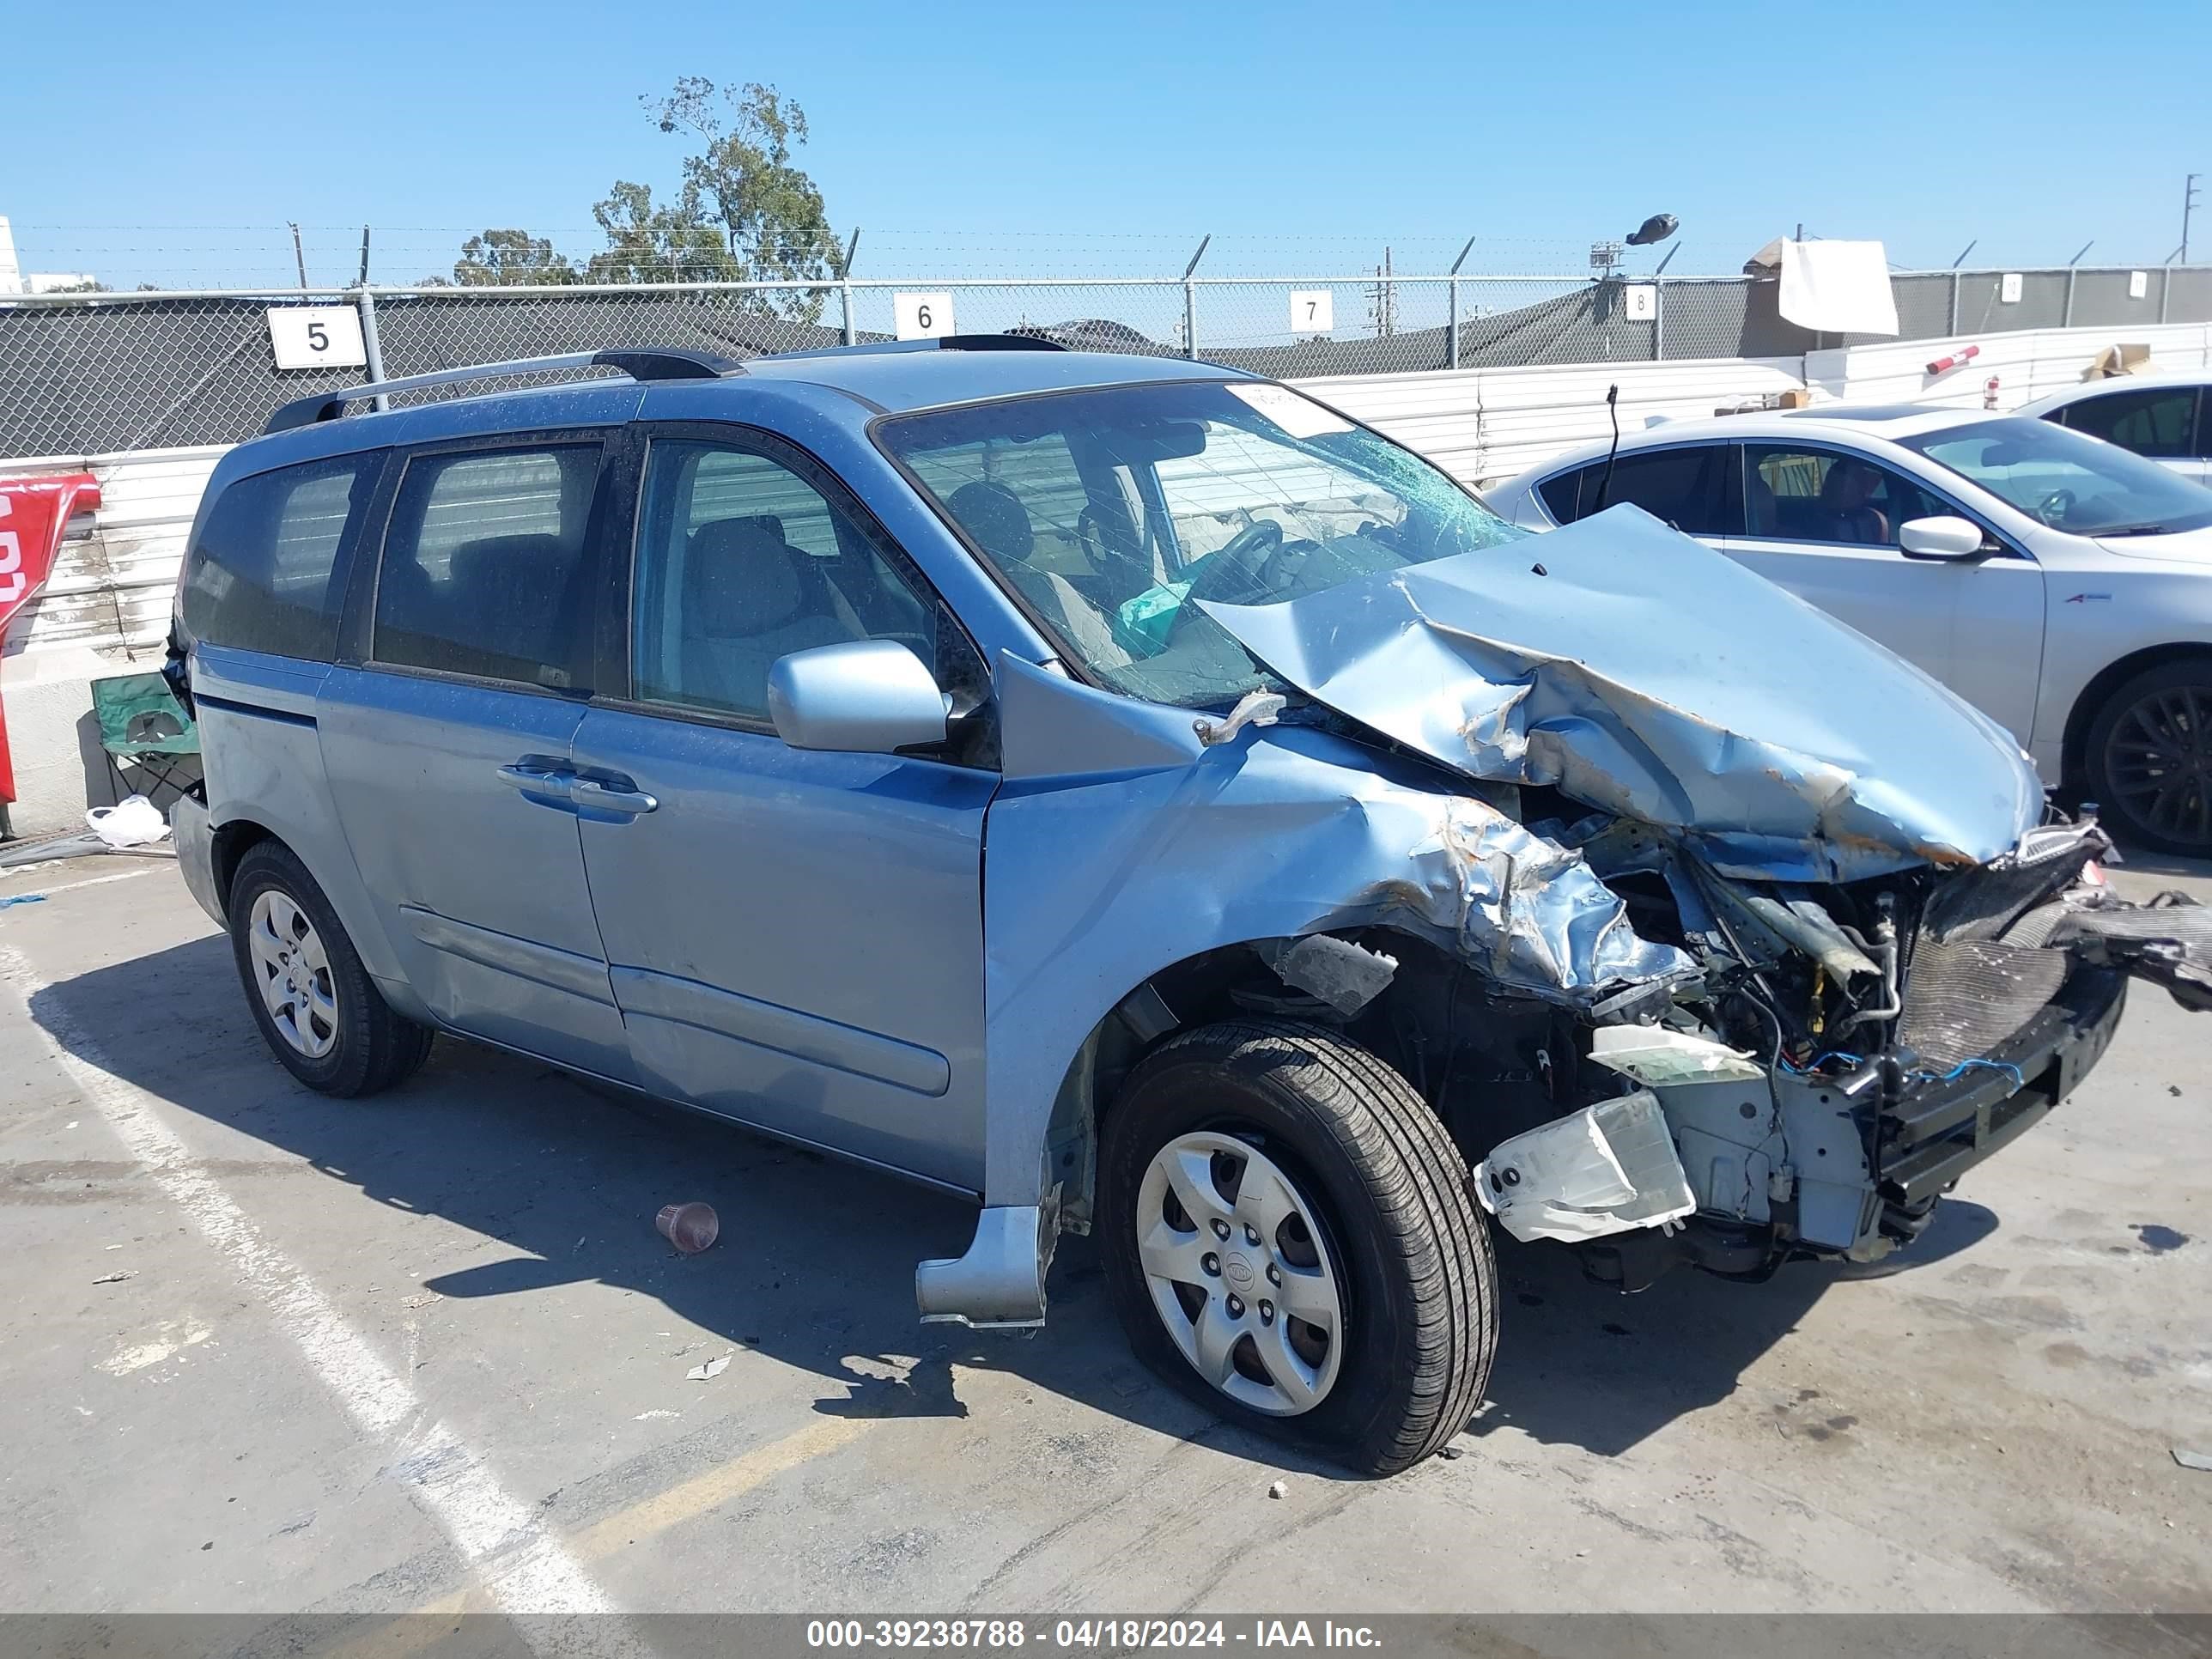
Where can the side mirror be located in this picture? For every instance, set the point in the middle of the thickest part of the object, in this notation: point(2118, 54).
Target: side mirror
point(863, 697)
point(1943, 537)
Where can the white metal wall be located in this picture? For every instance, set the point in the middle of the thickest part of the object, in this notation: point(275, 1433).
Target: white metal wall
point(2028, 365)
point(105, 610)
point(1486, 424)
point(114, 589)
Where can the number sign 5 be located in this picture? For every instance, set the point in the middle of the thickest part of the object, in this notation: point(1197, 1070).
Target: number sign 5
point(316, 337)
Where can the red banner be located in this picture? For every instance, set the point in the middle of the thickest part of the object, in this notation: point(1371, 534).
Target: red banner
point(33, 512)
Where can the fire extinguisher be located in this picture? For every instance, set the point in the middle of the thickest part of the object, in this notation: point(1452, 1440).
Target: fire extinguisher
point(1989, 392)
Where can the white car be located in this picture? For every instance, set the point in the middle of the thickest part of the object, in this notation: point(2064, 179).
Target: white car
point(2061, 584)
point(2167, 417)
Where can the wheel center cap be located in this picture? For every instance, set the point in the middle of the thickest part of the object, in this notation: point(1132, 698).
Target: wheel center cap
point(1238, 1272)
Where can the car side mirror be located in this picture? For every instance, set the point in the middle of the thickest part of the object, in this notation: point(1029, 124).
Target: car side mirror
point(1942, 537)
point(862, 697)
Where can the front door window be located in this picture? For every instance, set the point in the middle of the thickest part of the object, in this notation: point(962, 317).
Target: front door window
point(1818, 495)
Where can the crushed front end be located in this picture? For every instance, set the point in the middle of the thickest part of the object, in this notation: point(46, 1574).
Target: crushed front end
point(1785, 944)
point(1848, 1053)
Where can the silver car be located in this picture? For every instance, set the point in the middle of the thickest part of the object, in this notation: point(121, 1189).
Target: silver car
point(2061, 585)
point(1136, 799)
point(2164, 418)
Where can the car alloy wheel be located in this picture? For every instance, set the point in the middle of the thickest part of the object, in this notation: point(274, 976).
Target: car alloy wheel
point(292, 972)
point(1240, 1273)
point(2159, 762)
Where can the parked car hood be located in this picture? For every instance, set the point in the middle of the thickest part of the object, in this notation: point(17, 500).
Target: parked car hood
point(1648, 676)
point(2181, 546)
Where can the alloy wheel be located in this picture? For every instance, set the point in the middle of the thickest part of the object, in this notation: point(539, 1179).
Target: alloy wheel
point(2159, 762)
point(1240, 1273)
point(294, 974)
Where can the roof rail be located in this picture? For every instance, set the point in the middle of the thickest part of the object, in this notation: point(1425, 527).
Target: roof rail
point(1008, 342)
point(639, 364)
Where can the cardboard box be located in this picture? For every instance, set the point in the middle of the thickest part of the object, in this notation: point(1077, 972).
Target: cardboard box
point(2116, 360)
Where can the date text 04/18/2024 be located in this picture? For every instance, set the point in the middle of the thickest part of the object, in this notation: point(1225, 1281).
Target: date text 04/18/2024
point(1109, 1635)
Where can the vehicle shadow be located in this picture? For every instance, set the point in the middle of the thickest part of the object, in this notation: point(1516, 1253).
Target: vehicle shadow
point(814, 1263)
point(1581, 1364)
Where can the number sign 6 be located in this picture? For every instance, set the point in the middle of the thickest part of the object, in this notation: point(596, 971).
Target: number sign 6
point(922, 316)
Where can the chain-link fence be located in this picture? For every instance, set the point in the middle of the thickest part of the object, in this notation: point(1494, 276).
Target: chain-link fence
point(96, 374)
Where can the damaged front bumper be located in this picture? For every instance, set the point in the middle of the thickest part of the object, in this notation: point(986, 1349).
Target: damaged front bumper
point(1760, 1166)
point(1931, 1130)
point(1766, 1160)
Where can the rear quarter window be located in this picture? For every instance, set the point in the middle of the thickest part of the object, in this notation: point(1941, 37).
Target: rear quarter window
point(1560, 496)
point(1681, 488)
point(265, 573)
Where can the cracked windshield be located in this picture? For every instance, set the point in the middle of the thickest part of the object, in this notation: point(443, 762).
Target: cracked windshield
point(1112, 513)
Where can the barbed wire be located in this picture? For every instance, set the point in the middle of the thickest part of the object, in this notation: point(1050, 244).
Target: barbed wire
point(213, 256)
point(138, 256)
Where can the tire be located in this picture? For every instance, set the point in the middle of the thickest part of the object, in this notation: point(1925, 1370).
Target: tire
point(2148, 758)
point(339, 1035)
point(1383, 1220)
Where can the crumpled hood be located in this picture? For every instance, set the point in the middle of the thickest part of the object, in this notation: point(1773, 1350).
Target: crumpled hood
point(1647, 676)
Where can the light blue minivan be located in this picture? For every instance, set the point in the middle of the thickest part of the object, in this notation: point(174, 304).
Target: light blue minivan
point(1138, 798)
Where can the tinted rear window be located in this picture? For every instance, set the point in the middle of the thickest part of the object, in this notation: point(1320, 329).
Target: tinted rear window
point(264, 575)
point(1679, 486)
point(484, 571)
point(2155, 420)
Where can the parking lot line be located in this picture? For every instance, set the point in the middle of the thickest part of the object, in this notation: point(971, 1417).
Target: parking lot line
point(523, 1567)
point(702, 1493)
point(412, 1632)
point(94, 881)
point(406, 1634)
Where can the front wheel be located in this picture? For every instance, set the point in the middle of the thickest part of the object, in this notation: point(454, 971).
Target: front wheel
point(2149, 757)
point(1289, 1237)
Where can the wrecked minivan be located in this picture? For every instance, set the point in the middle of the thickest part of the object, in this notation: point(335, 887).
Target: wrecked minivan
point(1135, 796)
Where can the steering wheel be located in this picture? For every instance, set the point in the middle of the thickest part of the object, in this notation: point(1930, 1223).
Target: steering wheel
point(1235, 571)
point(1240, 564)
point(2055, 509)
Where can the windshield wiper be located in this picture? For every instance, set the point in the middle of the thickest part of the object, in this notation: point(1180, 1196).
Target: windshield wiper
point(2132, 530)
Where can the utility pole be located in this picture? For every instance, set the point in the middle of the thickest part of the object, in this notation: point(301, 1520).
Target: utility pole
point(1384, 299)
point(2188, 207)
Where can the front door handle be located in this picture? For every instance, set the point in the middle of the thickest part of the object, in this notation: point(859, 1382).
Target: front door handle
point(623, 797)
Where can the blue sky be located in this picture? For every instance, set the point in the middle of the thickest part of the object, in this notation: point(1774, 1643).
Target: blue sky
point(1015, 140)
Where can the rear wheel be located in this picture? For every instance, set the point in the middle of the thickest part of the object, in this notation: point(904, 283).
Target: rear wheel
point(321, 1013)
point(2149, 758)
point(1288, 1236)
